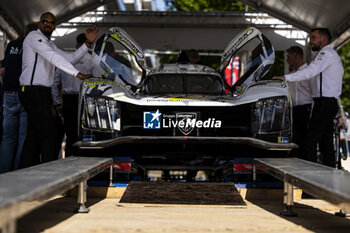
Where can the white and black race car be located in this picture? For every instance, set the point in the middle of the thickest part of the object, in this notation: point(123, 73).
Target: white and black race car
point(180, 112)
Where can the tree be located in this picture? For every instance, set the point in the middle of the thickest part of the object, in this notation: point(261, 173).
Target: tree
point(204, 5)
point(344, 53)
point(278, 67)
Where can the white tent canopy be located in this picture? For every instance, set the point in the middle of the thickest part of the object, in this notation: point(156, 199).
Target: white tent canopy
point(308, 14)
point(302, 14)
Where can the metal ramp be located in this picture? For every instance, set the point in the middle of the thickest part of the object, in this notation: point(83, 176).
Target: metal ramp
point(320, 181)
point(26, 189)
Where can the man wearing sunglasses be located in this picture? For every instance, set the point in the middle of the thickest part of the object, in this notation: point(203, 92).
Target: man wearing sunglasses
point(40, 57)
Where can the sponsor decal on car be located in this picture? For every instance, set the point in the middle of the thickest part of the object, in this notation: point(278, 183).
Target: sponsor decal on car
point(151, 120)
point(88, 138)
point(277, 84)
point(175, 100)
point(282, 140)
point(184, 121)
point(187, 98)
point(100, 82)
point(236, 45)
point(119, 35)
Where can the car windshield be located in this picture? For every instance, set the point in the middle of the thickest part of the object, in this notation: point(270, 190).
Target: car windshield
point(121, 64)
point(183, 84)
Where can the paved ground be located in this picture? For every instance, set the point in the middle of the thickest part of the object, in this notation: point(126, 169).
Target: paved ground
point(260, 215)
point(108, 215)
point(346, 164)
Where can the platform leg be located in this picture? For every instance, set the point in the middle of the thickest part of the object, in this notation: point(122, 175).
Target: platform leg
point(254, 175)
point(342, 213)
point(9, 227)
point(111, 176)
point(82, 190)
point(288, 200)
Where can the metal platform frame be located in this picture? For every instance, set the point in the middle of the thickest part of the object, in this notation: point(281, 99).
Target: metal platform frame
point(26, 189)
point(327, 183)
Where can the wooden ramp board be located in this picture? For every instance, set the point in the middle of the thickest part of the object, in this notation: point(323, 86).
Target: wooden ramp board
point(197, 193)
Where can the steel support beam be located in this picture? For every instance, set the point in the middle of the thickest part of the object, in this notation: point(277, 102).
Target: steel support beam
point(8, 29)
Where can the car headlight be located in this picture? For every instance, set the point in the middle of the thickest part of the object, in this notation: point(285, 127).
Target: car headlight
point(101, 114)
point(270, 115)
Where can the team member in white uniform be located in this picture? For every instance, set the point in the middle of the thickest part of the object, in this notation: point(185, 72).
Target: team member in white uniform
point(301, 98)
point(70, 94)
point(40, 57)
point(328, 71)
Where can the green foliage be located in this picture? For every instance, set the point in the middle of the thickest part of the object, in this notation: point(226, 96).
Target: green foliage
point(344, 53)
point(204, 5)
point(277, 68)
point(211, 61)
point(167, 58)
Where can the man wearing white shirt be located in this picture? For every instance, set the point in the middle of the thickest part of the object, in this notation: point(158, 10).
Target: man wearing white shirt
point(328, 71)
point(70, 95)
point(39, 59)
point(301, 98)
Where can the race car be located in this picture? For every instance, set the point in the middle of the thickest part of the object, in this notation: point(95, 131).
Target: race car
point(181, 114)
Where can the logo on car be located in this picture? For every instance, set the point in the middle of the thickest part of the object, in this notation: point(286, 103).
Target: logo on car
point(183, 119)
point(185, 122)
point(152, 120)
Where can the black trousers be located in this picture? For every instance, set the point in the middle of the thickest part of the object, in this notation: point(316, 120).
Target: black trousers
point(342, 144)
point(301, 118)
point(39, 145)
point(321, 131)
point(70, 115)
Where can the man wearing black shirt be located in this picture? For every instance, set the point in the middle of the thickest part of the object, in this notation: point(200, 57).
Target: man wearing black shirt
point(15, 118)
point(2, 71)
